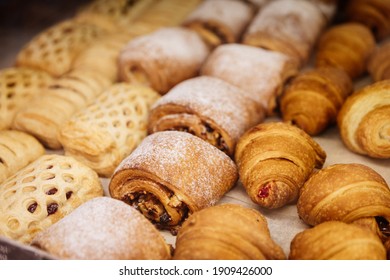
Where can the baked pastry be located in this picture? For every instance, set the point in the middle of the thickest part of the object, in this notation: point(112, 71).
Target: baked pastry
point(163, 58)
point(327, 7)
point(335, 240)
point(346, 46)
point(209, 108)
point(171, 175)
point(274, 160)
point(379, 63)
point(220, 22)
point(364, 120)
point(17, 149)
point(108, 130)
point(289, 27)
point(55, 49)
point(46, 114)
point(17, 87)
point(313, 98)
point(42, 193)
point(103, 229)
point(260, 72)
point(226, 231)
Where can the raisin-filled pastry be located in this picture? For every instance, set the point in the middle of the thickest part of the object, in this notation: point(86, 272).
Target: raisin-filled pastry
point(289, 27)
point(379, 63)
point(171, 175)
point(262, 73)
point(335, 240)
point(163, 58)
point(351, 193)
point(226, 232)
point(274, 160)
point(346, 46)
point(17, 149)
point(364, 120)
point(220, 22)
point(108, 130)
point(42, 193)
point(103, 228)
point(209, 108)
point(313, 98)
point(18, 85)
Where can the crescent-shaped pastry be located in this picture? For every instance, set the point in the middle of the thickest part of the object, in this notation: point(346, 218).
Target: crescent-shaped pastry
point(18, 85)
point(313, 98)
point(346, 46)
point(335, 240)
point(226, 232)
point(209, 108)
point(379, 63)
point(262, 73)
point(42, 193)
point(364, 120)
point(171, 175)
point(108, 130)
point(274, 161)
point(103, 229)
point(163, 58)
point(220, 22)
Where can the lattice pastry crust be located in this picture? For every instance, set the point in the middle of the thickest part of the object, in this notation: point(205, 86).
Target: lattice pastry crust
point(42, 193)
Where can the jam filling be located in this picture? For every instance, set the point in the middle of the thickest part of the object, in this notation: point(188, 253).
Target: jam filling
point(264, 191)
point(384, 225)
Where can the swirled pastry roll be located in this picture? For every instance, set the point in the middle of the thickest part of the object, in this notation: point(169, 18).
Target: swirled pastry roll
point(274, 161)
point(163, 58)
point(103, 229)
point(346, 46)
point(209, 108)
point(220, 22)
point(336, 241)
point(108, 130)
point(171, 175)
point(379, 63)
point(313, 98)
point(42, 193)
point(18, 85)
point(261, 73)
point(364, 120)
point(289, 27)
point(226, 231)
point(17, 149)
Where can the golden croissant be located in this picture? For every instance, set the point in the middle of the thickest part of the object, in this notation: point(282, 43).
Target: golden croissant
point(379, 63)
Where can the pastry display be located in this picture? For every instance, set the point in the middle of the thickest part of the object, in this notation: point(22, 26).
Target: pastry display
point(364, 120)
point(226, 232)
point(335, 240)
point(42, 193)
point(379, 63)
point(274, 161)
point(108, 130)
point(163, 58)
point(209, 108)
point(313, 98)
point(171, 175)
point(262, 73)
point(17, 149)
point(103, 229)
point(17, 87)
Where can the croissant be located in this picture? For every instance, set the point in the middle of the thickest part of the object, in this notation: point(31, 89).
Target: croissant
point(346, 46)
point(171, 175)
point(364, 121)
point(335, 240)
point(226, 231)
point(379, 63)
point(274, 160)
point(313, 99)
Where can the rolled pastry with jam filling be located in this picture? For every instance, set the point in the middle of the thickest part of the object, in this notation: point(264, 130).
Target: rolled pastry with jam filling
point(379, 63)
point(226, 232)
point(219, 21)
point(209, 108)
point(163, 58)
point(171, 175)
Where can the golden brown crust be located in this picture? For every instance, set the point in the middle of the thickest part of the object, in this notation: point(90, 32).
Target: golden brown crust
point(226, 231)
point(379, 63)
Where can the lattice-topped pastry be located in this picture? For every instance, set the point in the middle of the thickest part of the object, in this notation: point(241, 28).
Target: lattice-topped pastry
point(103, 134)
point(42, 193)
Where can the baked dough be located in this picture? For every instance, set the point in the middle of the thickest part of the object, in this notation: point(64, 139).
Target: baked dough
point(103, 229)
point(379, 63)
